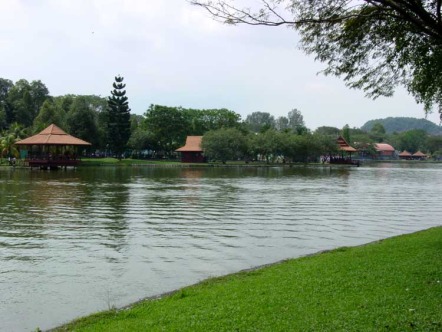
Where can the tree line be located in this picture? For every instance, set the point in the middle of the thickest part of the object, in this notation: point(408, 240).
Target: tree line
point(412, 140)
point(27, 108)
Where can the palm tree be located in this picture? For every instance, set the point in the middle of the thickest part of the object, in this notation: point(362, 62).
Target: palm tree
point(17, 130)
point(7, 147)
point(9, 138)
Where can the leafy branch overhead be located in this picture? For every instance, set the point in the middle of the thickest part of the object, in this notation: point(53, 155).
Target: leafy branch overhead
point(373, 45)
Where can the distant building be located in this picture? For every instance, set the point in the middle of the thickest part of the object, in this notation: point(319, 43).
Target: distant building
point(344, 146)
point(405, 155)
point(345, 151)
point(384, 151)
point(419, 155)
point(192, 152)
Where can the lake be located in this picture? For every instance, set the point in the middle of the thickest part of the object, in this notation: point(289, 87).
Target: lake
point(78, 241)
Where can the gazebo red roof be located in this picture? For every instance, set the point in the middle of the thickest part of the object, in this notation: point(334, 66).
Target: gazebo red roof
point(419, 154)
point(52, 135)
point(193, 144)
point(405, 153)
point(344, 146)
point(383, 147)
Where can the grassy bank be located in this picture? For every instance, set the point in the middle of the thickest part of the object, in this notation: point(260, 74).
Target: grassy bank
point(391, 285)
point(122, 162)
point(177, 163)
point(165, 162)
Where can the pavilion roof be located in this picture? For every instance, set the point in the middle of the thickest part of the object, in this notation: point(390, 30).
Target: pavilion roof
point(193, 144)
point(344, 146)
point(52, 135)
point(405, 153)
point(383, 147)
point(419, 154)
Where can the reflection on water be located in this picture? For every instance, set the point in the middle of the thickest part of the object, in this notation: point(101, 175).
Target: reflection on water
point(77, 241)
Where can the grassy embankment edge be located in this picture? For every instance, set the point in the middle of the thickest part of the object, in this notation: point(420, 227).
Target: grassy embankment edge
point(94, 162)
point(389, 285)
point(178, 163)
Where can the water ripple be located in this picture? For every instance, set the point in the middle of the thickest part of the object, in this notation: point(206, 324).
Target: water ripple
point(77, 242)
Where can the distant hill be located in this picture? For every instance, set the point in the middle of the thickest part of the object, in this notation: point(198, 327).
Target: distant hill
point(398, 124)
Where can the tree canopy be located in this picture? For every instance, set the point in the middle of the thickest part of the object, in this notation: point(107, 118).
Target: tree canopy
point(23, 101)
point(411, 140)
point(373, 45)
point(260, 121)
point(81, 121)
point(163, 128)
point(224, 144)
point(168, 127)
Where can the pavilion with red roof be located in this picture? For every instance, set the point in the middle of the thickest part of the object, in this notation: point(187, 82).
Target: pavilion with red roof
point(344, 146)
point(51, 148)
point(384, 151)
point(346, 151)
point(419, 155)
point(192, 151)
point(405, 155)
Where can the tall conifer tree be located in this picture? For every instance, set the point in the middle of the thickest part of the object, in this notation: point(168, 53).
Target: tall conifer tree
point(118, 118)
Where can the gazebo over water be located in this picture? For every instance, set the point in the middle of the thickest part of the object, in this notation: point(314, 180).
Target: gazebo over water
point(51, 148)
point(344, 147)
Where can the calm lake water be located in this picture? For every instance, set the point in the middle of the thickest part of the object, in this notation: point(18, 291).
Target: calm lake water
point(78, 241)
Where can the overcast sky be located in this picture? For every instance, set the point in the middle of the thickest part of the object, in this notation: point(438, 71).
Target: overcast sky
point(171, 53)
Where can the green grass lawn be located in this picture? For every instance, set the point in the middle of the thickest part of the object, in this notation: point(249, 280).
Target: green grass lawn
point(391, 285)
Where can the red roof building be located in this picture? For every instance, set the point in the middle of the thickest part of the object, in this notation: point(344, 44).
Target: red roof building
point(384, 150)
point(405, 155)
point(419, 155)
point(344, 146)
point(51, 148)
point(192, 151)
point(52, 135)
point(346, 149)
